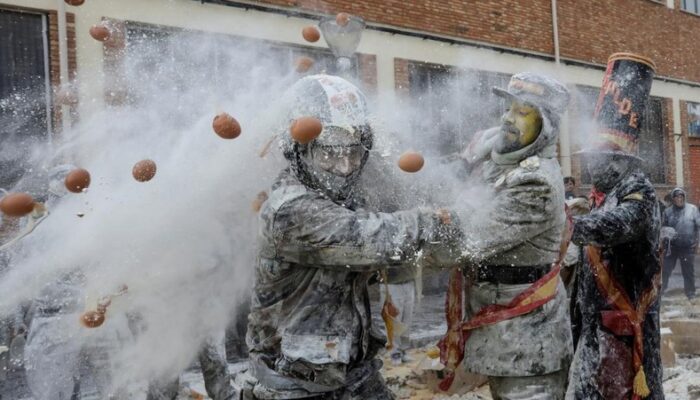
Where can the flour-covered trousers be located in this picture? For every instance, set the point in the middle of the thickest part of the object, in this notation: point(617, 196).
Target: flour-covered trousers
point(62, 359)
point(543, 387)
point(403, 296)
point(217, 380)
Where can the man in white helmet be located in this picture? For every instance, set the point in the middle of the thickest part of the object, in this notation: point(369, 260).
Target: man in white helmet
point(310, 333)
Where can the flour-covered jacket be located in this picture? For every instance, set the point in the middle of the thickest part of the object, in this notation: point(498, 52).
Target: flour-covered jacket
point(310, 327)
point(520, 226)
point(626, 228)
point(686, 223)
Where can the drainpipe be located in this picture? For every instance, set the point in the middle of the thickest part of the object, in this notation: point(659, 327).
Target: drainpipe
point(564, 136)
point(63, 62)
point(555, 32)
point(678, 141)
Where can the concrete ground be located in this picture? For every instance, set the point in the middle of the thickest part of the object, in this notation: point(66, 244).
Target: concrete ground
point(411, 381)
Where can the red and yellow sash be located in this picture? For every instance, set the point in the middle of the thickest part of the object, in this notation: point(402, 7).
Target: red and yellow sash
point(458, 332)
point(627, 319)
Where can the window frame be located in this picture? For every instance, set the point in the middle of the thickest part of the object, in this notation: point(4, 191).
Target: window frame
point(689, 105)
point(454, 133)
point(686, 10)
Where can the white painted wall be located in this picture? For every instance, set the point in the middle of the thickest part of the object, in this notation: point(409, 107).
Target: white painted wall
point(215, 18)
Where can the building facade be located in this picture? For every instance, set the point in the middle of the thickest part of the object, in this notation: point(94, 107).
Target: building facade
point(440, 56)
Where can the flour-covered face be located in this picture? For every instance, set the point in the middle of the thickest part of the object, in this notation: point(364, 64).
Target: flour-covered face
point(342, 155)
point(521, 125)
point(335, 160)
point(607, 170)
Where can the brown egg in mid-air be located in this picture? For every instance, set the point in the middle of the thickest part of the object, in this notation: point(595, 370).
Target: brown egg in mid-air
point(305, 129)
point(144, 170)
point(99, 33)
point(411, 161)
point(303, 64)
point(16, 204)
point(92, 319)
point(259, 200)
point(226, 126)
point(311, 34)
point(77, 180)
point(75, 2)
point(342, 19)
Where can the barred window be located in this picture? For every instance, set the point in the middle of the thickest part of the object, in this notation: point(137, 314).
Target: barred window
point(25, 116)
point(454, 103)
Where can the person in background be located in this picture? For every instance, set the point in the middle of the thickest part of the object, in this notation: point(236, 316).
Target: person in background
point(684, 219)
point(569, 188)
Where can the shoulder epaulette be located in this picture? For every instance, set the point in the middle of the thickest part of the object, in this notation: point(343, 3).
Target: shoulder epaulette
point(634, 196)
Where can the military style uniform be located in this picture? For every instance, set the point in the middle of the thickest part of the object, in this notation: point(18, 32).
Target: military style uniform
point(518, 241)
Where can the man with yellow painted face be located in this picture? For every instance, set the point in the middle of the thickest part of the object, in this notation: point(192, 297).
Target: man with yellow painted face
point(517, 330)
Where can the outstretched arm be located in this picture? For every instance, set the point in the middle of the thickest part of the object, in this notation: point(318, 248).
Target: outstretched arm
point(315, 231)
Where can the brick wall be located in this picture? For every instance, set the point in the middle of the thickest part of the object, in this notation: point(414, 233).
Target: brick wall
point(55, 65)
point(589, 30)
point(367, 71)
point(401, 78)
point(54, 62)
point(691, 152)
point(514, 23)
point(668, 145)
point(694, 183)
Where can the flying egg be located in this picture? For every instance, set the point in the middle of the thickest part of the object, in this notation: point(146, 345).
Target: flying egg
point(144, 170)
point(99, 33)
point(411, 161)
point(311, 34)
point(305, 129)
point(17, 204)
point(77, 180)
point(226, 126)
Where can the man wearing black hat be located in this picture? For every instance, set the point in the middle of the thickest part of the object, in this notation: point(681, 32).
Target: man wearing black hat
point(617, 352)
point(684, 219)
point(518, 331)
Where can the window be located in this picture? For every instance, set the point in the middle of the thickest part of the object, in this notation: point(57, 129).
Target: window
point(692, 6)
point(694, 119)
point(24, 104)
point(174, 61)
point(455, 103)
point(651, 137)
